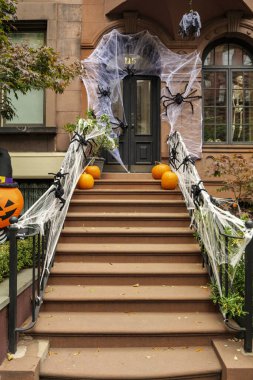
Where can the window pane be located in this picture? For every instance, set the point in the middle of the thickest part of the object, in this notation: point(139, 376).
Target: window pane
point(248, 79)
point(209, 115)
point(209, 133)
point(247, 61)
point(221, 55)
point(221, 133)
point(143, 107)
point(221, 115)
point(209, 97)
point(29, 108)
point(209, 79)
point(235, 55)
point(32, 39)
point(209, 61)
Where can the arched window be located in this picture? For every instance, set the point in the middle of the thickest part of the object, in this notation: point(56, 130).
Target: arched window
point(228, 93)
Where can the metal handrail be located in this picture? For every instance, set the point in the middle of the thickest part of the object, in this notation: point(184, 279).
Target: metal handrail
point(39, 278)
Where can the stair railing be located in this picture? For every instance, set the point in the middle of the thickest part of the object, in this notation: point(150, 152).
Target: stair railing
point(43, 223)
point(224, 238)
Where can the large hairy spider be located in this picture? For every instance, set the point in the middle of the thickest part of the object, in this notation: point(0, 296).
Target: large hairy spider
point(103, 92)
point(82, 142)
point(179, 98)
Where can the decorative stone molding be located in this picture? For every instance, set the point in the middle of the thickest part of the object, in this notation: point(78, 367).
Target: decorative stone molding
point(129, 24)
point(233, 19)
point(227, 27)
point(130, 19)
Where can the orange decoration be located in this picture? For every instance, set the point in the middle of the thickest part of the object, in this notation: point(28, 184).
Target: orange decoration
point(11, 204)
point(86, 181)
point(169, 181)
point(158, 170)
point(94, 171)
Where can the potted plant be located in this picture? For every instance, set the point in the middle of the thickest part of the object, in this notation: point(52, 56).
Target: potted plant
point(101, 130)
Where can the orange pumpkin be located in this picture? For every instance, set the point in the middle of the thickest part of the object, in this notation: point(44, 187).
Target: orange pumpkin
point(169, 181)
point(94, 171)
point(159, 169)
point(11, 204)
point(86, 181)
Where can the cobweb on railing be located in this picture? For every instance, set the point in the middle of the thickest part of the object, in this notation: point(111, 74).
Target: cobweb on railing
point(210, 222)
point(51, 208)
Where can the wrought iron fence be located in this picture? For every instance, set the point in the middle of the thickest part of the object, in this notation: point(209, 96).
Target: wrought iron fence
point(32, 191)
point(39, 277)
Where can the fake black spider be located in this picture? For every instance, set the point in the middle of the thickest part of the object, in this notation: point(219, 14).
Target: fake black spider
point(120, 127)
point(130, 70)
point(83, 142)
point(179, 98)
point(173, 156)
point(196, 194)
point(186, 161)
point(58, 189)
point(103, 92)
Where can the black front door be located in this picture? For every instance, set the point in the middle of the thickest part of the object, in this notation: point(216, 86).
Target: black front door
point(140, 144)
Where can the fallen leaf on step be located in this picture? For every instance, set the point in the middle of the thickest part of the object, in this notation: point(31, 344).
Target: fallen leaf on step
point(76, 353)
point(10, 356)
point(235, 357)
point(204, 287)
point(110, 263)
point(238, 349)
point(49, 289)
point(122, 294)
point(199, 350)
point(52, 353)
point(148, 357)
point(136, 285)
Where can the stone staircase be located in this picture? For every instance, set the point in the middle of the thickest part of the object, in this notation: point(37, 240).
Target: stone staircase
point(128, 297)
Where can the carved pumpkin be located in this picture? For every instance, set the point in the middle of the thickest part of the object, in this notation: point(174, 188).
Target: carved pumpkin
point(11, 204)
point(86, 181)
point(94, 171)
point(159, 169)
point(169, 181)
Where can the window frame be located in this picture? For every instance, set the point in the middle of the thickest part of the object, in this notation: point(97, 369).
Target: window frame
point(29, 26)
point(229, 69)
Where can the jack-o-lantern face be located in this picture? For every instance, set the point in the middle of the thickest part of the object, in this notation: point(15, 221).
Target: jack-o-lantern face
point(11, 204)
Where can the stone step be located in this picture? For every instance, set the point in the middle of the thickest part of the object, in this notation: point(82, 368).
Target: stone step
point(133, 235)
point(126, 205)
point(101, 252)
point(126, 194)
point(134, 184)
point(127, 298)
point(79, 273)
point(167, 363)
point(117, 329)
point(118, 219)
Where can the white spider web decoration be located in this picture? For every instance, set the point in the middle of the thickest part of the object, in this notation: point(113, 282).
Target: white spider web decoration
point(118, 55)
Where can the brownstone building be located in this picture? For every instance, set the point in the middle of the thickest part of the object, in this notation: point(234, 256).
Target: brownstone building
point(36, 138)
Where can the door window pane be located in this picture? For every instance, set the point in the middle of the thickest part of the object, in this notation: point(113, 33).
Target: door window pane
point(143, 120)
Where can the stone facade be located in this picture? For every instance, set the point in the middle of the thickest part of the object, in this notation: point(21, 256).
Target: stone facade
point(74, 29)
